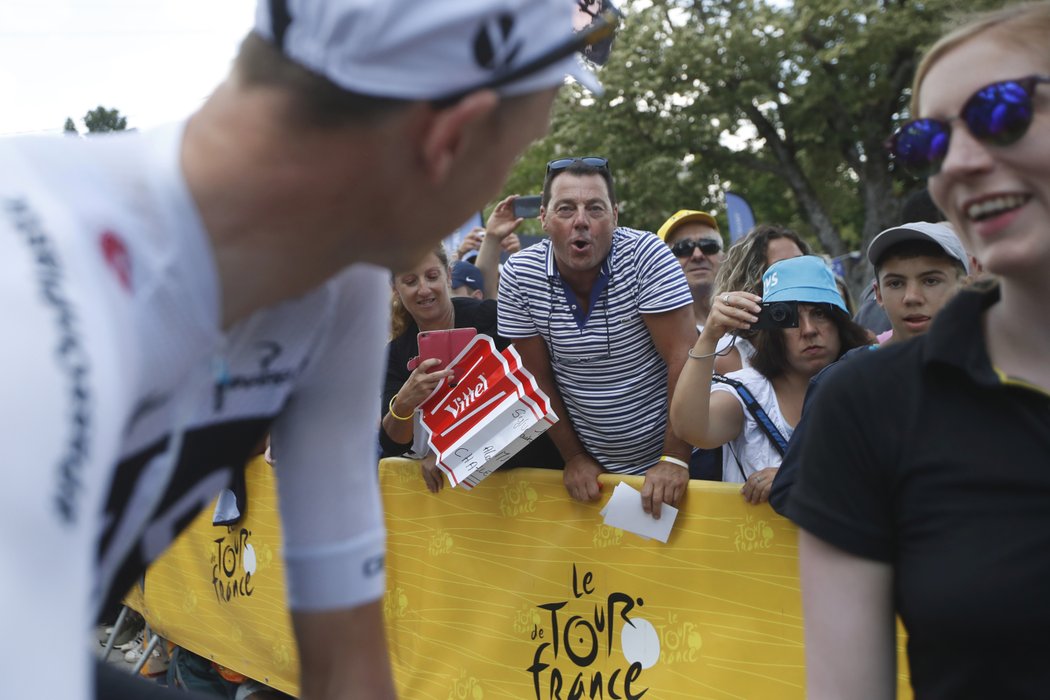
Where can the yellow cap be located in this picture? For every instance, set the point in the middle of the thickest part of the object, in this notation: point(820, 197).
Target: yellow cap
point(683, 216)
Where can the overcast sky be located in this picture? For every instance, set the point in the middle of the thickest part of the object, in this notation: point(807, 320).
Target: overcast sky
point(154, 60)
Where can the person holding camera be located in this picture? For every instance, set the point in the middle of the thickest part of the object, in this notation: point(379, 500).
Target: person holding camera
point(803, 326)
point(499, 238)
point(742, 268)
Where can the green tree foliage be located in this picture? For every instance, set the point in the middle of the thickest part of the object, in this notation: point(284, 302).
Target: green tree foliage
point(786, 104)
point(101, 120)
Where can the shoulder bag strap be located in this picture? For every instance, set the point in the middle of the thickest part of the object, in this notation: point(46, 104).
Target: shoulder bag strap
point(755, 409)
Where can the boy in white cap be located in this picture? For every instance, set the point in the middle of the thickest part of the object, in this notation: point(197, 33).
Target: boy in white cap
point(919, 267)
point(347, 132)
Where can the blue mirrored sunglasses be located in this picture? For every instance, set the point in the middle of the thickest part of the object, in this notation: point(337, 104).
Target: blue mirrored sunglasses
point(998, 114)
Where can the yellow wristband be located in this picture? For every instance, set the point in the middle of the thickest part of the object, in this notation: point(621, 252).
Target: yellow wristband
point(390, 407)
point(674, 460)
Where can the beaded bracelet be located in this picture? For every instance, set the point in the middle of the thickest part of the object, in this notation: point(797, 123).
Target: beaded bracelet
point(390, 407)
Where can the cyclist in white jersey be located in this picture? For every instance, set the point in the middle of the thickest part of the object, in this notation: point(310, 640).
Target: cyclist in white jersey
point(347, 132)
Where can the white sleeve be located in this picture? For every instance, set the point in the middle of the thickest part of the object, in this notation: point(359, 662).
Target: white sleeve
point(326, 454)
point(57, 371)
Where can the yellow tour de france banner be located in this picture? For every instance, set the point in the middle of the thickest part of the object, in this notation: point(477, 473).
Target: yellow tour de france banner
point(515, 591)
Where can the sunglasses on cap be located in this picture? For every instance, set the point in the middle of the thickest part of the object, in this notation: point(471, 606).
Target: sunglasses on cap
point(559, 164)
point(685, 248)
point(998, 114)
point(593, 41)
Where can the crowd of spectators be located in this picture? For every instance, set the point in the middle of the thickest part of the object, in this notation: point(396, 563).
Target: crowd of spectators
point(610, 320)
point(912, 452)
point(655, 349)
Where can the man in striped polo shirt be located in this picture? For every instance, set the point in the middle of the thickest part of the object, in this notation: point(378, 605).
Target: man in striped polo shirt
point(602, 318)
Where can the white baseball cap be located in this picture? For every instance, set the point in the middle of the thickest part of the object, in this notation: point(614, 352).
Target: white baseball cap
point(437, 49)
point(942, 234)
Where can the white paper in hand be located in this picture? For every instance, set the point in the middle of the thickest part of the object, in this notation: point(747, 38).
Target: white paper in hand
point(624, 510)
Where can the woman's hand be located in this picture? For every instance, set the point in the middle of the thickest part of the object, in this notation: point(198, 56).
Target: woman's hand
point(757, 487)
point(730, 312)
point(432, 476)
point(419, 385)
point(502, 221)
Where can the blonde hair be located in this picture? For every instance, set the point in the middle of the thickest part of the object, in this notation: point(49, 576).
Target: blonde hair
point(400, 319)
point(745, 261)
point(1026, 24)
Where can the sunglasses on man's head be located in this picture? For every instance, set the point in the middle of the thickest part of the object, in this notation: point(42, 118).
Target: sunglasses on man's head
point(685, 248)
point(559, 164)
point(998, 114)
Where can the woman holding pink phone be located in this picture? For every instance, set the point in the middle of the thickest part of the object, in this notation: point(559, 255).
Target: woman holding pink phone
point(423, 302)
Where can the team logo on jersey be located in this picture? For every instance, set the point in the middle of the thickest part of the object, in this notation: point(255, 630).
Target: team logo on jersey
point(495, 45)
point(268, 352)
point(117, 257)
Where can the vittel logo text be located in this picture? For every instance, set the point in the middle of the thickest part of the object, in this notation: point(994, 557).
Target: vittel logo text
point(461, 403)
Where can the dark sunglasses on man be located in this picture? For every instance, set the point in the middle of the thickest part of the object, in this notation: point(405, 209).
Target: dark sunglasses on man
point(998, 114)
point(685, 247)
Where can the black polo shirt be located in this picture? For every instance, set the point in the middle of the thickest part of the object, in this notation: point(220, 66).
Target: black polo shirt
point(921, 455)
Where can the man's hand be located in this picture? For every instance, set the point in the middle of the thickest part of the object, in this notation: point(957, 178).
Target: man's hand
point(664, 483)
point(581, 477)
point(757, 487)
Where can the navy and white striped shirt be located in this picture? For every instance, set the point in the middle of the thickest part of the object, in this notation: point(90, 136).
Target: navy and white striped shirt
point(610, 375)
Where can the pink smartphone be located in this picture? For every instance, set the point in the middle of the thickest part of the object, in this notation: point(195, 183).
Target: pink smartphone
point(443, 345)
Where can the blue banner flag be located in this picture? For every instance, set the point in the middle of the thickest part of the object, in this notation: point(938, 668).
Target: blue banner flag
point(741, 218)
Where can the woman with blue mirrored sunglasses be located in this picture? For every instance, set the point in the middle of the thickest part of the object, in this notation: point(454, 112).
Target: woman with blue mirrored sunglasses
point(998, 114)
point(928, 493)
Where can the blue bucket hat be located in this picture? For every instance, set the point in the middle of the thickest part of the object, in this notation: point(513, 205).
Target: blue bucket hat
point(807, 279)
